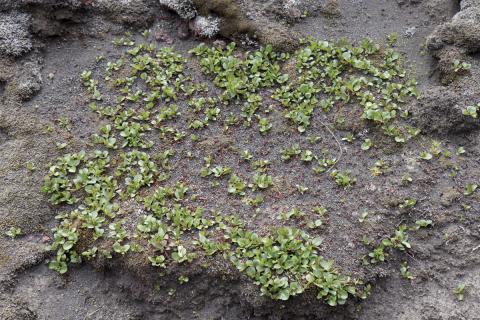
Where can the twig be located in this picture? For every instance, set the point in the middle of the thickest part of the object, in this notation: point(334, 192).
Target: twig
point(411, 256)
point(339, 146)
point(91, 314)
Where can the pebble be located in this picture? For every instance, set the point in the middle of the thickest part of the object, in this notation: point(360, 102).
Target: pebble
point(219, 43)
point(162, 36)
point(410, 32)
point(183, 33)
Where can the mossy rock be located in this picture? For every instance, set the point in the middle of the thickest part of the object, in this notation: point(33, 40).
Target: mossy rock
point(234, 21)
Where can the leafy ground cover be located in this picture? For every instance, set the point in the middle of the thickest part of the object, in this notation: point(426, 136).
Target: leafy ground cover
point(152, 104)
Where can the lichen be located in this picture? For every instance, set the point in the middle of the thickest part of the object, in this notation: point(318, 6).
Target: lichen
point(14, 36)
point(234, 21)
point(184, 8)
point(206, 27)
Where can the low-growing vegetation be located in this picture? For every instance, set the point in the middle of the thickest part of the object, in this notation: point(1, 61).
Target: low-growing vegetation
point(125, 198)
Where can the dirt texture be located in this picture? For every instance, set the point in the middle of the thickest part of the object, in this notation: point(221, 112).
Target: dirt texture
point(46, 44)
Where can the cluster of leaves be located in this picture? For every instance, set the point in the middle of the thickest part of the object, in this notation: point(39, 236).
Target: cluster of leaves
point(91, 85)
point(339, 73)
point(472, 111)
point(13, 232)
point(217, 171)
point(461, 66)
point(324, 162)
point(343, 179)
point(459, 291)
point(243, 78)
point(329, 74)
point(240, 77)
point(168, 222)
point(97, 185)
point(81, 176)
point(236, 185)
point(398, 241)
point(379, 168)
point(286, 263)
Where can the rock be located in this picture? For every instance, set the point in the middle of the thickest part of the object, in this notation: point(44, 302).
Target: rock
point(410, 32)
point(183, 32)
point(462, 31)
point(219, 43)
point(332, 8)
point(29, 81)
point(292, 9)
point(184, 8)
point(136, 13)
point(14, 35)
point(218, 142)
point(206, 27)
point(279, 37)
point(408, 2)
point(162, 36)
point(64, 14)
point(439, 110)
point(14, 310)
point(448, 196)
point(445, 64)
point(233, 21)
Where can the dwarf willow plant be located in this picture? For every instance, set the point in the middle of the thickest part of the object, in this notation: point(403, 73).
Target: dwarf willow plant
point(460, 66)
point(329, 74)
point(13, 232)
point(398, 241)
point(120, 198)
point(471, 111)
point(338, 74)
point(286, 263)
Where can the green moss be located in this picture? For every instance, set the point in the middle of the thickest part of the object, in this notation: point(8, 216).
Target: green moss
point(279, 37)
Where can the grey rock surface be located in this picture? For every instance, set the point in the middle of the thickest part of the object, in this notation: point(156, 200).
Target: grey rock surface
point(15, 38)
